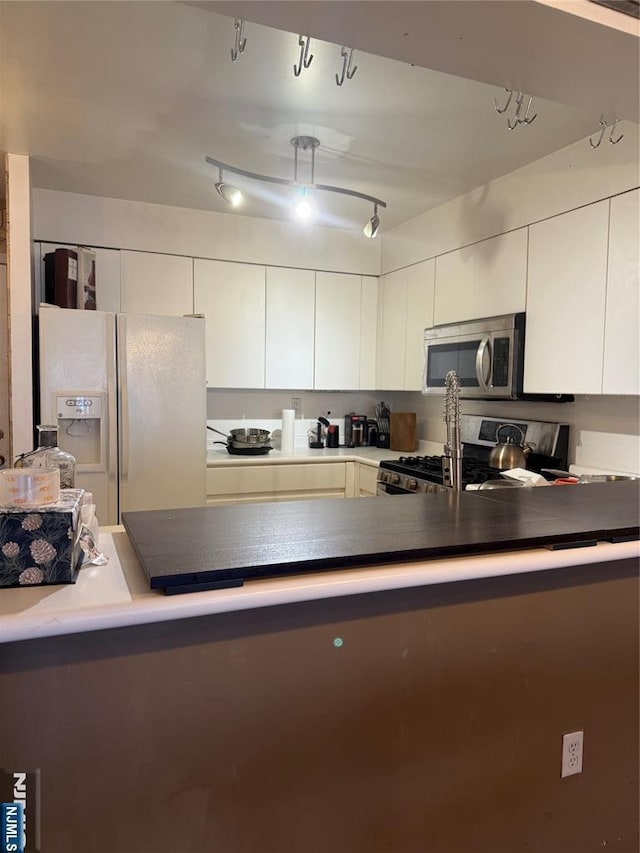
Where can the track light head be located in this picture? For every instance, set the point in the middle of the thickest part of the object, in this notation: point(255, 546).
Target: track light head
point(228, 192)
point(373, 225)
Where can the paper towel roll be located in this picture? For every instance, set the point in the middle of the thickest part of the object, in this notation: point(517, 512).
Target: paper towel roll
point(288, 430)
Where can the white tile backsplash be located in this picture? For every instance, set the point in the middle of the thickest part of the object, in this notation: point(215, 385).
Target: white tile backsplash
point(274, 425)
point(612, 452)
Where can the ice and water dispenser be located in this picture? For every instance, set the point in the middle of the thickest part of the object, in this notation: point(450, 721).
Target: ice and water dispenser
point(82, 429)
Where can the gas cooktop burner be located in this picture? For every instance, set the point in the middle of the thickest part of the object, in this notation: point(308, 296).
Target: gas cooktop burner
point(430, 468)
point(479, 436)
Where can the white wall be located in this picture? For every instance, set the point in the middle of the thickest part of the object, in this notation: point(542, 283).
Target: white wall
point(568, 178)
point(19, 302)
point(60, 217)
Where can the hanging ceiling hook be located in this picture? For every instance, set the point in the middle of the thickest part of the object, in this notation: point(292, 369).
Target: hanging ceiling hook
point(347, 70)
point(613, 127)
point(603, 125)
point(305, 58)
point(240, 42)
point(518, 120)
point(526, 119)
point(506, 106)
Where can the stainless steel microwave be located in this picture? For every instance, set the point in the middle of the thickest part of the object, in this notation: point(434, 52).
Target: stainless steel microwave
point(487, 355)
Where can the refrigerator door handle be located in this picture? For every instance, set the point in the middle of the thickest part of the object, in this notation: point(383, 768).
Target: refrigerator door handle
point(123, 391)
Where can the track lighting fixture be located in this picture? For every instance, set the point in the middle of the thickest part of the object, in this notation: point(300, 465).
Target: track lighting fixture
point(228, 192)
point(373, 225)
point(233, 196)
point(303, 208)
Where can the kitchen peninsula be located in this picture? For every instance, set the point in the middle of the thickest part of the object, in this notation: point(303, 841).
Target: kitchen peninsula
point(420, 703)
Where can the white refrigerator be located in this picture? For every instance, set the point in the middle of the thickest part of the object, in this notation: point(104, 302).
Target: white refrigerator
point(128, 392)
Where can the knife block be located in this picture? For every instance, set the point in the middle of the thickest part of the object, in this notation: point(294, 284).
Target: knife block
point(403, 431)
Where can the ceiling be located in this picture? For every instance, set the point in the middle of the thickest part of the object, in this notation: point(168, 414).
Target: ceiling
point(125, 99)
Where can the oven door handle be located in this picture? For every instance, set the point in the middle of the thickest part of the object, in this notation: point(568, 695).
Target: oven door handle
point(483, 348)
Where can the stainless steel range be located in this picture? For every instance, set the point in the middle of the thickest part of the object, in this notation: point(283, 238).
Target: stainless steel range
point(427, 474)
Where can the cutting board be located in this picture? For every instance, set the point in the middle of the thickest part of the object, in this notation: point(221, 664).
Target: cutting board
point(403, 431)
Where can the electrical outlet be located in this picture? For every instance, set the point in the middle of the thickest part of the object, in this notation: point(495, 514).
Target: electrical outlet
point(296, 405)
point(572, 753)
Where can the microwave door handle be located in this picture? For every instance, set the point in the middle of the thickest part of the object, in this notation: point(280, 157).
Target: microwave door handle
point(482, 349)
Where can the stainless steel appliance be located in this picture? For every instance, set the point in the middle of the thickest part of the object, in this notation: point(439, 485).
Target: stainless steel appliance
point(487, 355)
point(478, 434)
point(128, 393)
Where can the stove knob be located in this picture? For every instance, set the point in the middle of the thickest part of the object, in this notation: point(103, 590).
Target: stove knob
point(394, 479)
point(412, 485)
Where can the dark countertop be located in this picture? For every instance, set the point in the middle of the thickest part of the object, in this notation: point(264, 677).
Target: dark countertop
point(204, 547)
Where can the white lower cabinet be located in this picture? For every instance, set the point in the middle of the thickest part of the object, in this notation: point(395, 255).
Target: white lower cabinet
point(155, 284)
point(405, 311)
point(232, 298)
point(365, 480)
point(566, 302)
point(621, 373)
point(276, 482)
point(483, 280)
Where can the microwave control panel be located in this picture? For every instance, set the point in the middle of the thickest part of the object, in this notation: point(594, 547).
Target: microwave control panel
point(500, 372)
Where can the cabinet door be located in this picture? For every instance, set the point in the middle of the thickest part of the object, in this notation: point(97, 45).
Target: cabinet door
point(156, 284)
point(290, 313)
point(455, 286)
point(621, 352)
point(337, 331)
point(368, 333)
point(483, 280)
point(566, 302)
point(392, 330)
point(107, 274)
point(420, 289)
point(501, 274)
point(232, 298)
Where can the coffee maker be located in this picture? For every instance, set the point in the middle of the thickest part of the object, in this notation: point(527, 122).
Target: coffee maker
point(355, 430)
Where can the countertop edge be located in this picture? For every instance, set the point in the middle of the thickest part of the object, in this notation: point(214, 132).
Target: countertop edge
point(134, 604)
point(223, 459)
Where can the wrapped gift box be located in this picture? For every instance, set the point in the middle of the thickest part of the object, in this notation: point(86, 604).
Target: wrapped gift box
point(40, 546)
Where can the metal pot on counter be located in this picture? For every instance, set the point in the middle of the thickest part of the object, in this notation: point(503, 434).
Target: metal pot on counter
point(507, 454)
point(245, 441)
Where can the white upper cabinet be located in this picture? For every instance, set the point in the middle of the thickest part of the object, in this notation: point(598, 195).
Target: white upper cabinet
point(107, 274)
point(337, 331)
point(156, 284)
point(455, 296)
point(368, 332)
point(420, 289)
point(566, 302)
point(290, 307)
point(483, 280)
point(232, 298)
point(406, 310)
point(392, 327)
point(621, 353)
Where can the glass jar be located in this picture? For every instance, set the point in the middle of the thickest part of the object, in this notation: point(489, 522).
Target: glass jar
point(49, 455)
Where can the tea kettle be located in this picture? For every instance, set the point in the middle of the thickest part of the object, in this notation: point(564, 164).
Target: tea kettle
point(508, 454)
